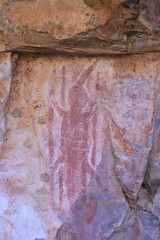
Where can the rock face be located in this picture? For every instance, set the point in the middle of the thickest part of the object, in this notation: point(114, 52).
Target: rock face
point(81, 27)
point(79, 133)
point(80, 156)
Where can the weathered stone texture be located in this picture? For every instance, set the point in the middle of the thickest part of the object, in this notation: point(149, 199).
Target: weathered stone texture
point(5, 80)
point(80, 158)
point(81, 26)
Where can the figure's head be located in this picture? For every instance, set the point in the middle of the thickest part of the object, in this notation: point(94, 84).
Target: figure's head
point(77, 97)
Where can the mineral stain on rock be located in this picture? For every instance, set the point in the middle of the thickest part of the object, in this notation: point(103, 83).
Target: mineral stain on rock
point(42, 120)
point(155, 184)
point(44, 177)
point(1, 137)
point(157, 119)
point(39, 239)
point(95, 4)
point(17, 113)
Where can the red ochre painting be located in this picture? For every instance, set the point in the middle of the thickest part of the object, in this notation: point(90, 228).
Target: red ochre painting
point(76, 147)
point(77, 111)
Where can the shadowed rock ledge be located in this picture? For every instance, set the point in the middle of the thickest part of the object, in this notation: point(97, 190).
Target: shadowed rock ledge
point(80, 27)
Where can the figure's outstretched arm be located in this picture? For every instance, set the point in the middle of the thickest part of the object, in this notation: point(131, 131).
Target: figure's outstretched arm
point(59, 109)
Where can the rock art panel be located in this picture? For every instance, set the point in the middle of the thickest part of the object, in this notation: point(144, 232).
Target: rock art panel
point(80, 149)
point(71, 129)
point(78, 154)
point(55, 107)
point(127, 157)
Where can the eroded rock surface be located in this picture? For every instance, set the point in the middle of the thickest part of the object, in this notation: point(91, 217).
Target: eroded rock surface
point(81, 27)
point(5, 81)
point(80, 157)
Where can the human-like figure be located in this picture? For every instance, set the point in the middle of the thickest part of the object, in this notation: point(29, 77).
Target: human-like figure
point(76, 140)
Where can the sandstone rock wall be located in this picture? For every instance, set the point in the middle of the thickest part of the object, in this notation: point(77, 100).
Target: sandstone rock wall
point(79, 120)
point(80, 155)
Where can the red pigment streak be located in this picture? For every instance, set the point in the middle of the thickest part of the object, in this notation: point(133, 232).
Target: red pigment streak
point(50, 138)
point(75, 133)
point(63, 87)
point(95, 118)
point(51, 149)
point(91, 209)
point(85, 216)
point(94, 137)
point(89, 216)
point(5, 237)
point(61, 184)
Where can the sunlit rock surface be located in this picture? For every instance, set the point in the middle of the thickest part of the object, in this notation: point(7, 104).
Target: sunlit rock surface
point(80, 155)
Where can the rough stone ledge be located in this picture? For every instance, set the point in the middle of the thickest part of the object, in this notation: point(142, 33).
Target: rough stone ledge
point(114, 27)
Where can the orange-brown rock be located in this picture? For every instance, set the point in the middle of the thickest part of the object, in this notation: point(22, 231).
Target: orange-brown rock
point(81, 27)
point(60, 19)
